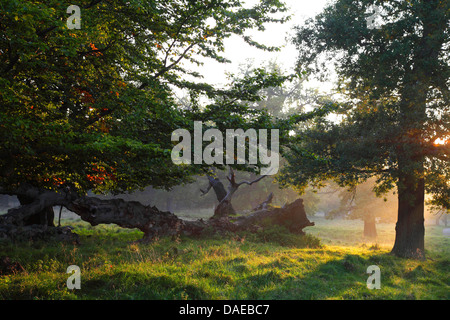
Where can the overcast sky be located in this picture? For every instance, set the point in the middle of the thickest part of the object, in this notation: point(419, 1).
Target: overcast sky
point(238, 51)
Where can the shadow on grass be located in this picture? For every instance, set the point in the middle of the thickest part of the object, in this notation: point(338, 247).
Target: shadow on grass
point(124, 285)
point(324, 281)
point(346, 278)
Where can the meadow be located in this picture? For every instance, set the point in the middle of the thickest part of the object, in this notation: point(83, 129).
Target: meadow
point(329, 262)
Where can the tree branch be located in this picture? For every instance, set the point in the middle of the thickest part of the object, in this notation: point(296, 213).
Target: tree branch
point(207, 189)
point(251, 182)
point(167, 68)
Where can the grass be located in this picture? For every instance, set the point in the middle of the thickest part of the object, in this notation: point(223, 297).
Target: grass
point(269, 265)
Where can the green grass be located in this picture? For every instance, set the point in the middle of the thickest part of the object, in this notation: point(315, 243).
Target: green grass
point(268, 265)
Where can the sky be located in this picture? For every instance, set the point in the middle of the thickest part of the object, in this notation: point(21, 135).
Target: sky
point(239, 52)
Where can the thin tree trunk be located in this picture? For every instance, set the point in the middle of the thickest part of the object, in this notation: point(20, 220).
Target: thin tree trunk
point(224, 208)
point(370, 227)
point(438, 217)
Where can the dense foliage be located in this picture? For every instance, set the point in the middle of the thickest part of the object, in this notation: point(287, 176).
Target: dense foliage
point(93, 108)
point(381, 74)
point(394, 122)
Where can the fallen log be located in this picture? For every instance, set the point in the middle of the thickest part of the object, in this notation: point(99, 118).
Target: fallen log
point(127, 214)
point(292, 216)
point(151, 221)
point(156, 223)
point(265, 204)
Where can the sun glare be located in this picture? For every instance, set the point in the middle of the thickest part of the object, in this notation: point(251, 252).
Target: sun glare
point(440, 141)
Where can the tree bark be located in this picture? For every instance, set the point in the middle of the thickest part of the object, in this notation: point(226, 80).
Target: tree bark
point(155, 223)
point(224, 208)
point(265, 204)
point(132, 214)
point(410, 230)
point(45, 217)
point(127, 214)
point(292, 216)
point(33, 202)
point(33, 220)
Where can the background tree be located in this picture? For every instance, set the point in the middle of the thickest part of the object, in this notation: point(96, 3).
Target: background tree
point(394, 123)
point(282, 101)
point(291, 97)
point(439, 213)
point(361, 203)
point(94, 109)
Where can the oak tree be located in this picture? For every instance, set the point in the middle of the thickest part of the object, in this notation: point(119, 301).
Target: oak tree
point(394, 123)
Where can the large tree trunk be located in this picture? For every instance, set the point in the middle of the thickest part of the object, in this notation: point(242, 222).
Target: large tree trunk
point(417, 83)
point(224, 209)
point(410, 230)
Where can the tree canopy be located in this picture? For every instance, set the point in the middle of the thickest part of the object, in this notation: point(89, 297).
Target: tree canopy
point(394, 81)
point(93, 108)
